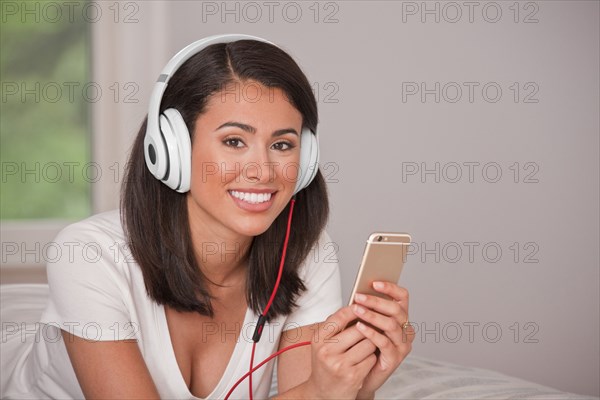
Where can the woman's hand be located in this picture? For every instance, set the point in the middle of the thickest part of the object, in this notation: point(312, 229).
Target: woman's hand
point(394, 342)
point(341, 358)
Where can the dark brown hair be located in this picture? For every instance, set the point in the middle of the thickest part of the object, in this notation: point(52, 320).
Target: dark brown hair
point(155, 217)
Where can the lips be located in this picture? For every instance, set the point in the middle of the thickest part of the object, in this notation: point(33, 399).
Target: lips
point(255, 190)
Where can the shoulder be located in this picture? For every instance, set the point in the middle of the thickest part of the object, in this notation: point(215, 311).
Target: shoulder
point(90, 247)
point(320, 274)
point(99, 228)
point(322, 259)
point(90, 280)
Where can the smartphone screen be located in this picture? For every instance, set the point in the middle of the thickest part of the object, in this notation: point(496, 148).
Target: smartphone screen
point(383, 260)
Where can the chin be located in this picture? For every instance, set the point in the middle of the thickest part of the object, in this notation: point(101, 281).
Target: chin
point(253, 229)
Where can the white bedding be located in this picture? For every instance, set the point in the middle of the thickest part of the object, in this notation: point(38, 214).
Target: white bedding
point(421, 378)
point(416, 378)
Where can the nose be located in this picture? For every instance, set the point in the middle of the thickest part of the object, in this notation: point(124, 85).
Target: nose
point(259, 167)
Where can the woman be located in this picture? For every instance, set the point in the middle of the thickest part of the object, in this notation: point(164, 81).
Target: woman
point(161, 299)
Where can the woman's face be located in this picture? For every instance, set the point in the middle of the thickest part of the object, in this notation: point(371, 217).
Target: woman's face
point(247, 141)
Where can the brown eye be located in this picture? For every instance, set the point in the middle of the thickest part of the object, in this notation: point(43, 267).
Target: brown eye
point(288, 144)
point(232, 142)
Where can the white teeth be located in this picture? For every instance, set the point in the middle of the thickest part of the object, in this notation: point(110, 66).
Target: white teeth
point(253, 198)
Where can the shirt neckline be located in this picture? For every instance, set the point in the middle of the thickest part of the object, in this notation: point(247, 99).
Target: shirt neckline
point(238, 350)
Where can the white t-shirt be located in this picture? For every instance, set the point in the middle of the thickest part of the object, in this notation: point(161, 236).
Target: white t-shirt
point(97, 292)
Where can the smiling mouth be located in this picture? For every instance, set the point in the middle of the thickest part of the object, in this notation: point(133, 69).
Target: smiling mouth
point(252, 198)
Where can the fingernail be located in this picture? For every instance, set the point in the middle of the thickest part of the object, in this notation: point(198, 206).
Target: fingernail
point(378, 285)
point(360, 297)
point(358, 309)
point(360, 326)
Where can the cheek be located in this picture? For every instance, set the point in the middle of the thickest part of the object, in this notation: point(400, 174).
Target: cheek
point(288, 171)
point(205, 167)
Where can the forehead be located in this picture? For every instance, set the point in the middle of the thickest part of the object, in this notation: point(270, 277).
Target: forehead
point(252, 102)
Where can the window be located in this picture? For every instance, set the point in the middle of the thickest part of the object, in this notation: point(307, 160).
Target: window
point(45, 124)
point(80, 139)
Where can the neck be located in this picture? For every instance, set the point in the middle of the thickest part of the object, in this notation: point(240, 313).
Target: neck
point(222, 255)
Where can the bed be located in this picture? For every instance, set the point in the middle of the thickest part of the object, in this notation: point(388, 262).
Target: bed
point(416, 378)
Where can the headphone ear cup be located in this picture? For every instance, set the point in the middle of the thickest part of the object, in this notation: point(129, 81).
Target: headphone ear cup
point(172, 177)
point(184, 147)
point(309, 159)
point(155, 153)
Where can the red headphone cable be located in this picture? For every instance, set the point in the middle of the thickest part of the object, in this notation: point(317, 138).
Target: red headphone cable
point(262, 318)
point(266, 360)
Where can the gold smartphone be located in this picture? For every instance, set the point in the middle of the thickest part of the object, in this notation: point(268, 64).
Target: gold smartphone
point(383, 260)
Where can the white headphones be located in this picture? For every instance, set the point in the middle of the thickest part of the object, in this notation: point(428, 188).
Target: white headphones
point(167, 144)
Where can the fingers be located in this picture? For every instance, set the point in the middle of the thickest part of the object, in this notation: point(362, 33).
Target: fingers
point(391, 355)
point(336, 333)
point(336, 322)
point(396, 292)
point(350, 341)
point(383, 322)
point(367, 364)
point(360, 351)
point(388, 325)
point(383, 342)
point(344, 340)
point(386, 306)
point(385, 314)
point(408, 333)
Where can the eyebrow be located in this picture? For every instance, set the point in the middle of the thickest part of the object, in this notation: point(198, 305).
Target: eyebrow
point(251, 129)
